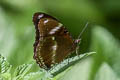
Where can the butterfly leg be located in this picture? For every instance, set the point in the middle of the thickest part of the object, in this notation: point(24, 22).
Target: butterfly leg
point(77, 51)
point(77, 41)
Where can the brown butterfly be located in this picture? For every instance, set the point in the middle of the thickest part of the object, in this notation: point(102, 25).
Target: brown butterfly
point(53, 42)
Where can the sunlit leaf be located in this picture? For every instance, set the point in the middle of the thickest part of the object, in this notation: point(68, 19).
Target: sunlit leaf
point(5, 68)
point(106, 73)
point(21, 71)
point(37, 76)
point(107, 48)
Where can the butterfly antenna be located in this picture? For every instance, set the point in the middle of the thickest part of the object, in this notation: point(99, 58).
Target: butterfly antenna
point(86, 25)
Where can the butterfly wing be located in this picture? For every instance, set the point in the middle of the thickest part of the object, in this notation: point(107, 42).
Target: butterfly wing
point(65, 45)
point(53, 42)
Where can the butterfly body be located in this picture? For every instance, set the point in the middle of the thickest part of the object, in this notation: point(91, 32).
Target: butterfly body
point(53, 42)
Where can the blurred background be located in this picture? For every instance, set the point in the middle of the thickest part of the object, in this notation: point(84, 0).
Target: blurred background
point(17, 33)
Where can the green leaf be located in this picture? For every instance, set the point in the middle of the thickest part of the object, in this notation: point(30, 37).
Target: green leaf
point(4, 65)
point(5, 68)
point(40, 75)
point(105, 72)
point(73, 62)
point(107, 49)
point(80, 71)
point(5, 76)
point(21, 71)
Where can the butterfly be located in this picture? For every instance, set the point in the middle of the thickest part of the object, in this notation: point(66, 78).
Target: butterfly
point(53, 43)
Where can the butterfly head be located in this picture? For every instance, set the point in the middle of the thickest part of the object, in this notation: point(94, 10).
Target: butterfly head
point(77, 41)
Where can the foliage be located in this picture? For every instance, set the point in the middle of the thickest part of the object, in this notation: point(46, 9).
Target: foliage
point(17, 36)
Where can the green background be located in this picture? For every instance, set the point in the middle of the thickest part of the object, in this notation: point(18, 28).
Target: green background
point(17, 33)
